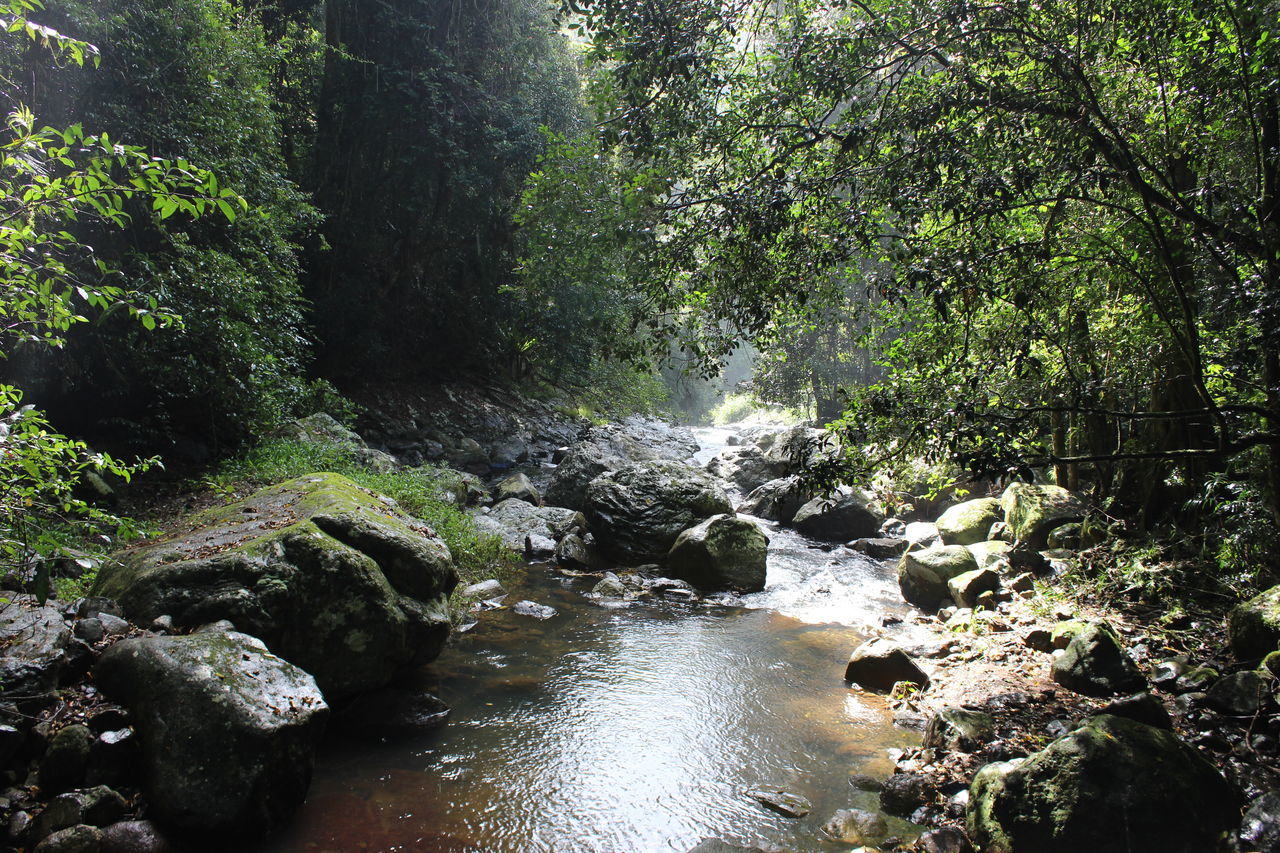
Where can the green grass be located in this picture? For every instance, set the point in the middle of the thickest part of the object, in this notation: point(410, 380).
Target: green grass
point(425, 493)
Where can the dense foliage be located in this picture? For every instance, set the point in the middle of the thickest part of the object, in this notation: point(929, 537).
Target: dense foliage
point(1055, 227)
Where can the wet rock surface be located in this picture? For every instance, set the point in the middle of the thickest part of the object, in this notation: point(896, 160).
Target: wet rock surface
point(636, 513)
point(228, 730)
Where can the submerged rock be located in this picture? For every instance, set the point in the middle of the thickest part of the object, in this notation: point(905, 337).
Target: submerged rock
point(533, 609)
point(723, 552)
point(332, 577)
point(391, 712)
point(1111, 786)
point(856, 826)
point(228, 730)
point(782, 802)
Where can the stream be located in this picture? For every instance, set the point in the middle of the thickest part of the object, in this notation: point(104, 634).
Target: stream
point(629, 729)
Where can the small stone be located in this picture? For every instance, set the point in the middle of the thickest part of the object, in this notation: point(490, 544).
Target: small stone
point(484, 589)
point(1143, 707)
point(1022, 583)
point(954, 729)
point(222, 626)
point(113, 625)
point(1261, 825)
point(782, 802)
point(1039, 639)
point(1196, 679)
point(903, 793)
point(90, 630)
point(865, 782)
point(135, 836)
point(878, 664)
point(75, 839)
point(19, 824)
point(610, 587)
point(533, 609)
point(947, 839)
point(162, 624)
point(1166, 673)
point(96, 604)
point(856, 826)
point(1241, 694)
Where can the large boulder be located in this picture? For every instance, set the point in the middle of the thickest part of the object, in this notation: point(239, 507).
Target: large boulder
point(520, 487)
point(520, 524)
point(333, 577)
point(800, 447)
point(35, 640)
point(1094, 664)
point(846, 517)
point(1111, 786)
point(968, 522)
point(614, 446)
point(1253, 627)
point(923, 575)
point(747, 467)
point(228, 730)
point(777, 500)
point(878, 664)
point(723, 552)
point(637, 512)
point(1032, 511)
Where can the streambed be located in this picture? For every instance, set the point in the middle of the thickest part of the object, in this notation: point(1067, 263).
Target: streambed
point(626, 729)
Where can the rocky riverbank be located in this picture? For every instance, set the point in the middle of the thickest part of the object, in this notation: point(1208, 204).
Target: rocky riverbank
point(189, 694)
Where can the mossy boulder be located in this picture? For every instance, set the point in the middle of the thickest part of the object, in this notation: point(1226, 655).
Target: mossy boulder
point(969, 522)
point(1253, 627)
point(1111, 786)
point(1094, 664)
point(1032, 511)
point(637, 512)
point(334, 578)
point(723, 552)
point(228, 730)
point(923, 575)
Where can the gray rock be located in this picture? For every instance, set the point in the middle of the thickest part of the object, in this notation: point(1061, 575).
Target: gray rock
point(1111, 786)
point(90, 630)
point(903, 793)
point(1196, 679)
point(517, 522)
point(332, 578)
point(959, 729)
point(97, 806)
point(848, 516)
point(1141, 707)
point(1253, 627)
point(66, 759)
point(518, 487)
point(723, 552)
point(1240, 694)
point(923, 575)
point(533, 609)
point(783, 802)
point(1094, 664)
point(967, 586)
point(75, 839)
point(968, 523)
point(491, 588)
point(610, 587)
point(35, 640)
point(228, 730)
point(637, 513)
point(614, 446)
point(135, 836)
point(1261, 825)
point(320, 428)
point(946, 839)
point(856, 826)
point(878, 664)
point(880, 548)
point(746, 467)
point(509, 451)
point(573, 552)
point(113, 757)
point(93, 605)
point(776, 500)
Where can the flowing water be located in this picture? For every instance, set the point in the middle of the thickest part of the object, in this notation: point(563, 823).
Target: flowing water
point(627, 729)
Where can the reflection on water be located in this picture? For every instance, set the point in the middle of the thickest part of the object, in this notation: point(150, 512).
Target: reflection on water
point(611, 730)
point(628, 730)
